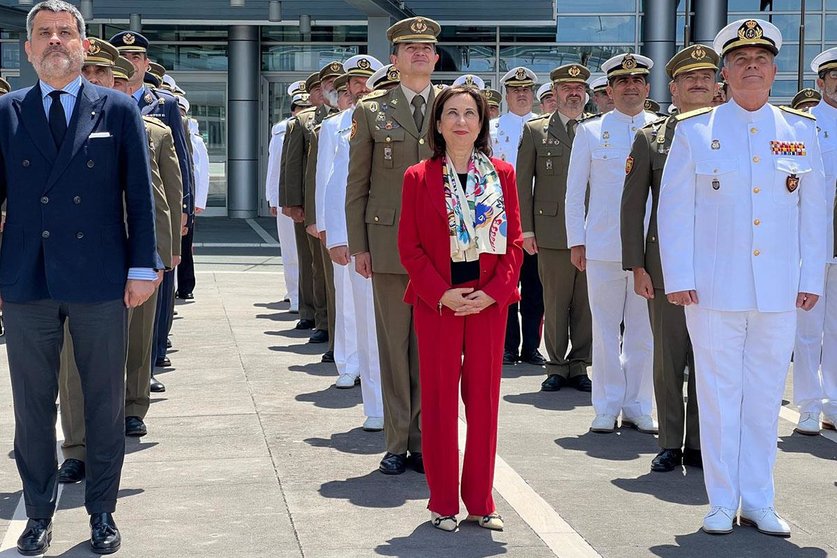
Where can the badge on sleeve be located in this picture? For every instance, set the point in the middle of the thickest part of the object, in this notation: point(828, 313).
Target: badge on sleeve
point(354, 129)
point(792, 183)
point(629, 164)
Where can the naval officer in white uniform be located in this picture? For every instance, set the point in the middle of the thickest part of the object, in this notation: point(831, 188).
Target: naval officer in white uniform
point(622, 362)
point(742, 230)
point(355, 290)
point(815, 350)
point(284, 224)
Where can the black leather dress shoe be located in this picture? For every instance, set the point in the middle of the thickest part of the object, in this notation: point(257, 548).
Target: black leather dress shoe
point(510, 358)
point(692, 458)
point(553, 382)
point(393, 463)
point(417, 462)
point(319, 336)
point(535, 358)
point(185, 296)
point(134, 427)
point(162, 362)
point(304, 324)
point(35, 538)
point(667, 460)
point(157, 386)
point(581, 383)
point(104, 535)
point(328, 356)
point(71, 471)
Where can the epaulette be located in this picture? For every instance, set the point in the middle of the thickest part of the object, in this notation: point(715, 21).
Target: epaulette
point(655, 123)
point(586, 117)
point(375, 94)
point(153, 120)
point(697, 112)
point(332, 115)
point(541, 117)
point(439, 88)
point(306, 111)
point(798, 112)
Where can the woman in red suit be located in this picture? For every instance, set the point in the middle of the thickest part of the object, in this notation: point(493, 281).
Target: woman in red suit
point(460, 241)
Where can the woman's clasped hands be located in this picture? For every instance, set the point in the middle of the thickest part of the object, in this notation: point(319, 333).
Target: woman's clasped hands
point(466, 301)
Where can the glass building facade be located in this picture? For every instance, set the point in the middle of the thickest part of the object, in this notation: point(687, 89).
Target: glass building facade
point(590, 31)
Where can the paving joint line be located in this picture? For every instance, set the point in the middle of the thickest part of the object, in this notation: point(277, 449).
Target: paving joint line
point(261, 232)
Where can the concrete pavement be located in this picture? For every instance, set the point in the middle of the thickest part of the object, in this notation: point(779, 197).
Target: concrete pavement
point(252, 452)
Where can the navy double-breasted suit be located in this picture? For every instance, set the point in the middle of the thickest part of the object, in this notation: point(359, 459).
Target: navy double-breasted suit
point(78, 216)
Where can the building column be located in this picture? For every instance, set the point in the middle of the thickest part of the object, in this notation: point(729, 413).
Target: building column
point(377, 33)
point(659, 35)
point(242, 119)
point(710, 17)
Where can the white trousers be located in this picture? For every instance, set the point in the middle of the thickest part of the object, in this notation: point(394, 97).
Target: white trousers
point(815, 353)
point(367, 342)
point(345, 338)
point(741, 362)
point(290, 260)
point(622, 362)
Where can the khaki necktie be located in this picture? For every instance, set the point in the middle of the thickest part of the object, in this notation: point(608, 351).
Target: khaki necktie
point(418, 115)
point(571, 128)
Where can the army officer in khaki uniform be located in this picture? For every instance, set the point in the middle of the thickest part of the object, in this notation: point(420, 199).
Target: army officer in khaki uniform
point(389, 134)
point(692, 73)
point(544, 158)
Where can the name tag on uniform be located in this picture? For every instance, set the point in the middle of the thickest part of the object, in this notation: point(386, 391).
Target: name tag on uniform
point(95, 135)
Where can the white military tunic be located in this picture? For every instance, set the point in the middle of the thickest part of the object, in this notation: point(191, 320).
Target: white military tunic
point(742, 221)
point(622, 363)
point(353, 291)
point(506, 131)
point(284, 224)
point(816, 330)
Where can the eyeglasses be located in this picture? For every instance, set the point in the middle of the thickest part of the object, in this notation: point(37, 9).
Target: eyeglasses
point(831, 74)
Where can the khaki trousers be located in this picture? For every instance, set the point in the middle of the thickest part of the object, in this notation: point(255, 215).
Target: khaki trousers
point(306, 272)
point(672, 354)
point(398, 351)
point(567, 321)
point(318, 282)
point(331, 300)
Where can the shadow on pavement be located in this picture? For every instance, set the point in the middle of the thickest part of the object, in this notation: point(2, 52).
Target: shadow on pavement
point(743, 541)
point(355, 441)
point(376, 490)
point(816, 446)
point(469, 541)
point(675, 486)
point(315, 369)
point(622, 445)
point(564, 400)
point(522, 369)
point(8, 503)
point(72, 496)
point(332, 398)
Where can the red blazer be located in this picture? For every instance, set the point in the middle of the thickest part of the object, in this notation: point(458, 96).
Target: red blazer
point(424, 241)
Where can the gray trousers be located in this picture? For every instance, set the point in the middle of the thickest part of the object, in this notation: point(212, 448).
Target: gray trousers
point(33, 342)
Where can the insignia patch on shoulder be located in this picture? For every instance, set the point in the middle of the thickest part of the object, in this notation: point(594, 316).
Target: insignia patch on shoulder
point(801, 113)
point(354, 129)
point(629, 164)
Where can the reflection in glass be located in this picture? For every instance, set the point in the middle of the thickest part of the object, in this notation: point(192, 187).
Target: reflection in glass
point(463, 58)
point(542, 59)
point(10, 55)
point(600, 29)
point(208, 102)
point(303, 58)
point(596, 6)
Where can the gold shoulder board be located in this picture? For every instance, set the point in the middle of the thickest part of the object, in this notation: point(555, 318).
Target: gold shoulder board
point(697, 112)
point(798, 112)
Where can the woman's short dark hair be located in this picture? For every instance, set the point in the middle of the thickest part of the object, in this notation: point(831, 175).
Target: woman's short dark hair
point(436, 141)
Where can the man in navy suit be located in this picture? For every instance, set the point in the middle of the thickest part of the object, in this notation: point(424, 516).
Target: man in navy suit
point(163, 106)
point(78, 245)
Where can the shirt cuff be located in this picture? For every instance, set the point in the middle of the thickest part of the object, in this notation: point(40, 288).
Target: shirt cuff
point(528, 235)
point(142, 274)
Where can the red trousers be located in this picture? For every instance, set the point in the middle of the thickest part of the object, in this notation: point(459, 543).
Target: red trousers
point(471, 349)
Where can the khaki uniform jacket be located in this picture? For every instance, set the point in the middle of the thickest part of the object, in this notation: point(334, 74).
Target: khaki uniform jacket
point(384, 143)
point(167, 183)
point(295, 155)
point(643, 172)
point(544, 157)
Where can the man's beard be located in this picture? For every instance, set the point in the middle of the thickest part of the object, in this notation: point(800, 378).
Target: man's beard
point(831, 94)
point(51, 66)
point(331, 97)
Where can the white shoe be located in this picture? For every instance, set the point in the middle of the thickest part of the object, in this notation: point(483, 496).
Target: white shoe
point(643, 423)
point(491, 521)
point(718, 521)
point(829, 422)
point(373, 424)
point(809, 424)
point(346, 381)
point(603, 423)
point(443, 522)
point(767, 521)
